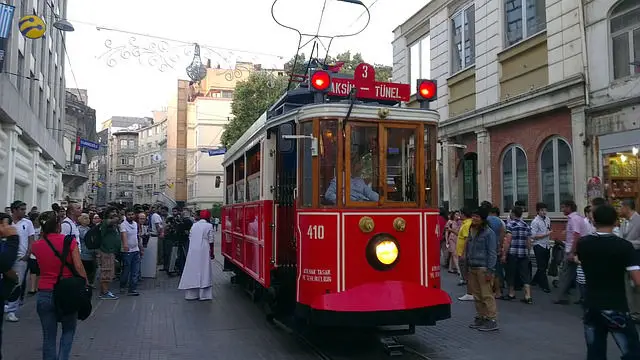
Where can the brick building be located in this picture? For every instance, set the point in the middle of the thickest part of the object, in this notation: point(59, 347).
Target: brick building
point(511, 96)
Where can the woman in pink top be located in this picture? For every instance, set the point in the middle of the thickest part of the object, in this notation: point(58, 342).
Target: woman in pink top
point(50, 265)
point(453, 226)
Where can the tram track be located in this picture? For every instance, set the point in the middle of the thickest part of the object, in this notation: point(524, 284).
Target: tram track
point(405, 353)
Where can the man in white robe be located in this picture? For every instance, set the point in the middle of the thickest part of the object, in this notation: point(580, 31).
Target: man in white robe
point(197, 276)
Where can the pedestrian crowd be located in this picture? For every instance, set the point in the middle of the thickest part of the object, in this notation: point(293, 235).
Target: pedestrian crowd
point(64, 253)
point(598, 254)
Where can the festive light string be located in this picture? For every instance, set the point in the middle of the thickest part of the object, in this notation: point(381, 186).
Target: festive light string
point(163, 38)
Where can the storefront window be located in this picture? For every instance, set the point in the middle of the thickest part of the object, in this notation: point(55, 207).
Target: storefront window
point(556, 173)
point(401, 165)
point(328, 154)
point(515, 184)
point(622, 176)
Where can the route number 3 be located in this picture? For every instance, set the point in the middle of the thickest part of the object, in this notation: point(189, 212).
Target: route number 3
point(316, 232)
point(365, 72)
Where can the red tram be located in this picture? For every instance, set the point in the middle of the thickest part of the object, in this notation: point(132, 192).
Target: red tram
point(330, 211)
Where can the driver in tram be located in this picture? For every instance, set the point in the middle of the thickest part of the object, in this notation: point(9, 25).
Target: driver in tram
point(360, 191)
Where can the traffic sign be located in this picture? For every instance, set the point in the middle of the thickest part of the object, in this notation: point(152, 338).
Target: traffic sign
point(215, 152)
point(89, 144)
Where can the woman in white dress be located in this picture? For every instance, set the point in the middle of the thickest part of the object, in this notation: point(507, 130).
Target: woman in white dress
point(197, 277)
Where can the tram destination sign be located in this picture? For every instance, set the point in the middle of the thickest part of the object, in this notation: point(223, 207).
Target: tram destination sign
point(367, 88)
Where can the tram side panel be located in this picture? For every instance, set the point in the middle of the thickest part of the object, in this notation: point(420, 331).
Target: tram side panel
point(247, 240)
point(432, 234)
point(318, 258)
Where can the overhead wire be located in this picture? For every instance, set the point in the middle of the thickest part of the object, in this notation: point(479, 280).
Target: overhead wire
point(363, 13)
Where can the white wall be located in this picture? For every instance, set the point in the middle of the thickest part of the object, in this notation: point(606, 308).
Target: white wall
point(205, 131)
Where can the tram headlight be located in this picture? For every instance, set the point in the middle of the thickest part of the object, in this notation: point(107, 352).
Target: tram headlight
point(383, 252)
point(387, 252)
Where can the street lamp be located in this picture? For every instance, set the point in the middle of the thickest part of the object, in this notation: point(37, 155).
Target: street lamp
point(63, 25)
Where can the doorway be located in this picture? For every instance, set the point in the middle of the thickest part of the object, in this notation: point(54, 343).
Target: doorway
point(470, 180)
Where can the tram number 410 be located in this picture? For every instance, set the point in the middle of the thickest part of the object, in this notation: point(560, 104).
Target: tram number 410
point(315, 232)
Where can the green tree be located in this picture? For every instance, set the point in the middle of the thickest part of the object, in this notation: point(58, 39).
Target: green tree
point(251, 98)
point(216, 210)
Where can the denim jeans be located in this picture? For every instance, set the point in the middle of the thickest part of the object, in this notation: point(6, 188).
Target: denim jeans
point(130, 270)
point(599, 323)
point(49, 320)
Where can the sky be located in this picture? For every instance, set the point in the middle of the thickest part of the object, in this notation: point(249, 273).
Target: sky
point(119, 84)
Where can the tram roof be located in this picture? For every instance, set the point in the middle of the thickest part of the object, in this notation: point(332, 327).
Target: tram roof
point(295, 105)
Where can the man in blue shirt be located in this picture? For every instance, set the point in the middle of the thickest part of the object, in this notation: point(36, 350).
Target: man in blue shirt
point(359, 190)
point(497, 225)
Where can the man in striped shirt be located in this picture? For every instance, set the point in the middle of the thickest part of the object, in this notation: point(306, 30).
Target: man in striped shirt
point(516, 255)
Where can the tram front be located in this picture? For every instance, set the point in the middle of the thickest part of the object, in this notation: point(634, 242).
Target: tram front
point(367, 230)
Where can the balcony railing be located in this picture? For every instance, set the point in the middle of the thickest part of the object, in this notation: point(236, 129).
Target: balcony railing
point(76, 169)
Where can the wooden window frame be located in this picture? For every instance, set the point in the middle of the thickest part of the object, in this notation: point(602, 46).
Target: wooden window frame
point(314, 169)
point(339, 154)
point(249, 177)
point(382, 148)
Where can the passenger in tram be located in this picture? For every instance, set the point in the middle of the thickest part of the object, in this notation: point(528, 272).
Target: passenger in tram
point(360, 191)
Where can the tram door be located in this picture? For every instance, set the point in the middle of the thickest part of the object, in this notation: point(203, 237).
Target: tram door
point(284, 194)
point(284, 210)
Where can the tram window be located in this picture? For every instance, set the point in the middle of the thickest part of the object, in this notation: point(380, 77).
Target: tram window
point(328, 154)
point(253, 173)
point(286, 145)
point(430, 184)
point(365, 164)
point(306, 185)
point(229, 182)
point(401, 165)
point(239, 180)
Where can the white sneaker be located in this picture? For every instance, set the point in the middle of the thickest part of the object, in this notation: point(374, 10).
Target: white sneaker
point(12, 317)
point(466, 297)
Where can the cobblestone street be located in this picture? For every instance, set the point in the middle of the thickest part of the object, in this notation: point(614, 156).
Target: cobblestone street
point(160, 324)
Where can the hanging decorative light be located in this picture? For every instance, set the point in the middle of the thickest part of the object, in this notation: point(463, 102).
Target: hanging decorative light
point(196, 70)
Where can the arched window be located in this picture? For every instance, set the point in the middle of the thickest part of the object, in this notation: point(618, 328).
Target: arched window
point(625, 38)
point(515, 184)
point(556, 173)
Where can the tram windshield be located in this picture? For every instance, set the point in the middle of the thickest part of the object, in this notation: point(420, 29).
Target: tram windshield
point(370, 164)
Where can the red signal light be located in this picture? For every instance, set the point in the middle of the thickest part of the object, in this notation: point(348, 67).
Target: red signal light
point(321, 81)
point(427, 90)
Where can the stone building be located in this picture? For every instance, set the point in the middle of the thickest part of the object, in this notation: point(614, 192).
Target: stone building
point(511, 96)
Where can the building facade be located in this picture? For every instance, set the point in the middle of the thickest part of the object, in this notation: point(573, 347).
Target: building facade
point(98, 169)
point(511, 96)
point(150, 176)
point(80, 123)
point(32, 107)
point(123, 148)
point(613, 126)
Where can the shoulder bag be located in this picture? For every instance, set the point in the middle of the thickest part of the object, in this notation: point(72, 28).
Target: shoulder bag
point(70, 295)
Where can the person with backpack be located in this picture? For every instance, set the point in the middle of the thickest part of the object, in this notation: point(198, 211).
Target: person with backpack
point(50, 251)
point(87, 255)
point(108, 234)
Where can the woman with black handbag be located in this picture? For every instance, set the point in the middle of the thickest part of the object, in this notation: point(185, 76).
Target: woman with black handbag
point(61, 282)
